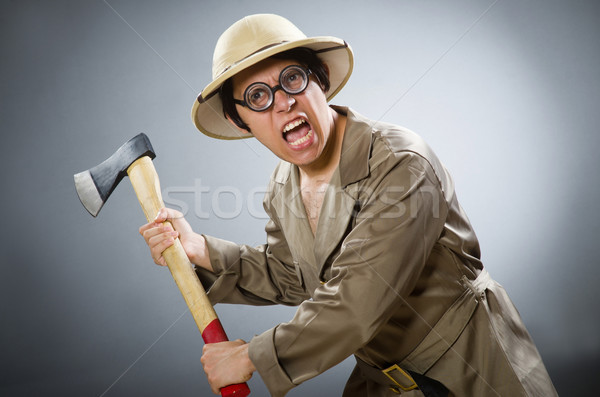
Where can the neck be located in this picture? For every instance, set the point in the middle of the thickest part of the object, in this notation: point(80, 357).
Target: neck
point(321, 170)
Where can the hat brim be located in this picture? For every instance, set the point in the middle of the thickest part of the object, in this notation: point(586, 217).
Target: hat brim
point(207, 111)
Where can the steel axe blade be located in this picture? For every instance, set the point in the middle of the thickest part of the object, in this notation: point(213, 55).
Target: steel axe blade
point(95, 185)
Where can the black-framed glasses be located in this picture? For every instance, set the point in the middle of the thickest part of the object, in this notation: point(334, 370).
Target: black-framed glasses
point(293, 80)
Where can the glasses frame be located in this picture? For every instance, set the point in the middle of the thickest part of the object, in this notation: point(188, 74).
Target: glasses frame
point(273, 90)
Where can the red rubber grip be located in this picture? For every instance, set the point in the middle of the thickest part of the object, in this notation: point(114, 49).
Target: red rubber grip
point(214, 333)
point(241, 389)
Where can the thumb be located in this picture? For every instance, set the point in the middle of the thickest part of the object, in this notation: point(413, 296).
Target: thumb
point(161, 216)
point(175, 218)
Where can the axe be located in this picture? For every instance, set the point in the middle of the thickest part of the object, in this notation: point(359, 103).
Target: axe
point(94, 187)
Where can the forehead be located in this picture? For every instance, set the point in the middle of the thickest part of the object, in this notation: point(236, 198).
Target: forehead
point(266, 71)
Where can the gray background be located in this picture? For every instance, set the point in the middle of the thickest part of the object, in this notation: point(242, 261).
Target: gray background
point(507, 96)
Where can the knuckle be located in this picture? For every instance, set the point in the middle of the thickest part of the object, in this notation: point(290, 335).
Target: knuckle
point(214, 382)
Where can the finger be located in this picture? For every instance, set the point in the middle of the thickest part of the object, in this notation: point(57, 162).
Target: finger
point(161, 216)
point(159, 239)
point(214, 383)
point(167, 214)
point(157, 230)
point(156, 236)
point(177, 219)
point(161, 261)
point(157, 223)
point(146, 227)
point(159, 248)
point(171, 213)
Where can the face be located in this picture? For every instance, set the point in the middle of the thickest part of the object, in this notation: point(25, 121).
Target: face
point(295, 128)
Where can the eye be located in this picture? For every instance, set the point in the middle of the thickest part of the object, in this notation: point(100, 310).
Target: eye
point(258, 95)
point(293, 79)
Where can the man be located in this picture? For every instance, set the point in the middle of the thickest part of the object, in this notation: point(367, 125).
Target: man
point(365, 234)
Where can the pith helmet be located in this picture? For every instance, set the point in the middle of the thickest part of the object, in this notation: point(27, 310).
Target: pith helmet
point(251, 40)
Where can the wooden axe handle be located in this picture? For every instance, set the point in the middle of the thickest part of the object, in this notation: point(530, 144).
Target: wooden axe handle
point(145, 182)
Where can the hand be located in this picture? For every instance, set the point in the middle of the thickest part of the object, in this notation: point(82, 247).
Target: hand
point(226, 363)
point(159, 236)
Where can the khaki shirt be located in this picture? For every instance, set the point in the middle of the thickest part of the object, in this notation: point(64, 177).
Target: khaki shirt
point(393, 253)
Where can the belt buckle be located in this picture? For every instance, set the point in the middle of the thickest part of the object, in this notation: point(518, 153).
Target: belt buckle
point(389, 372)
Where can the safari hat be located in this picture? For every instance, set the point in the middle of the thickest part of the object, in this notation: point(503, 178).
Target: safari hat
point(249, 41)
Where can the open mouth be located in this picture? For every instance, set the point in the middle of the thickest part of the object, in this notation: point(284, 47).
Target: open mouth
point(297, 132)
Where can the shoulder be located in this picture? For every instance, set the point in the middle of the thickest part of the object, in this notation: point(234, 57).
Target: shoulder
point(397, 142)
point(397, 148)
point(392, 144)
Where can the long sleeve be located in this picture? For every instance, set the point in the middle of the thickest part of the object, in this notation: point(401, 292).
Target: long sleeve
point(376, 269)
point(260, 275)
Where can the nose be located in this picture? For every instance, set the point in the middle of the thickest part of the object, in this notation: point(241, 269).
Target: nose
point(283, 101)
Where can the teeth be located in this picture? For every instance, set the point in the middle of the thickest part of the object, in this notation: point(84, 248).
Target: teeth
point(302, 140)
point(293, 125)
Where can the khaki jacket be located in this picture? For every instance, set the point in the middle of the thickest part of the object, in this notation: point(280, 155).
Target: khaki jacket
point(389, 277)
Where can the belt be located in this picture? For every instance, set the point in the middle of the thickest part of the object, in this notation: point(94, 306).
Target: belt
point(407, 375)
point(395, 377)
point(400, 380)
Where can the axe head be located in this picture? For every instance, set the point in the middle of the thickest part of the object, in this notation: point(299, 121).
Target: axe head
point(95, 185)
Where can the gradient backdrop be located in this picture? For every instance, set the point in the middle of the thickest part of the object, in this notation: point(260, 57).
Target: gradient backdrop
point(505, 91)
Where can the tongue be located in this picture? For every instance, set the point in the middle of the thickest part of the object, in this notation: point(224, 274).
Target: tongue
point(297, 133)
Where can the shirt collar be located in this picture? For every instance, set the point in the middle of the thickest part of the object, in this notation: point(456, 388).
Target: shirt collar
point(356, 150)
point(356, 147)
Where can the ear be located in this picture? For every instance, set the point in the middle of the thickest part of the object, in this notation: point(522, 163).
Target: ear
point(236, 126)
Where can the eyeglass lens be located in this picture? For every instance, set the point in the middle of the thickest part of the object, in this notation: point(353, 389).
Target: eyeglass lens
point(292, 80)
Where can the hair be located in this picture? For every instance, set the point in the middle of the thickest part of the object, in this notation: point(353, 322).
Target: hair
point(304, 56)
